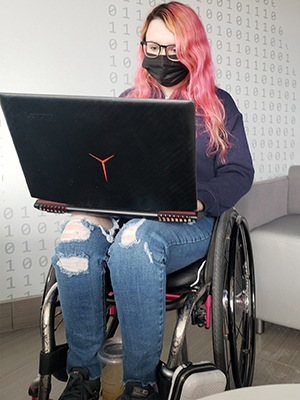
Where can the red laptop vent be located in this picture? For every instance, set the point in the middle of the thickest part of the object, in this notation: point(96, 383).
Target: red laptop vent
point(50, 206)
point(176, 216)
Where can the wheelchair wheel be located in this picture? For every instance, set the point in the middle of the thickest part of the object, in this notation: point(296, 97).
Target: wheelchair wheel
point(233, 297)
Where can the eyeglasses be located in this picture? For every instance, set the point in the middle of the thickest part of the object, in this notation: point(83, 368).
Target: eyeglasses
point(153, 50)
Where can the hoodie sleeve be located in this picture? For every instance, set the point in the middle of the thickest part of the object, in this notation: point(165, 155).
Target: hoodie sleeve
point(232, 180)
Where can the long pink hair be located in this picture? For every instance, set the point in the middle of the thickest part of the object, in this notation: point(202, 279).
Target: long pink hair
point(194, 52)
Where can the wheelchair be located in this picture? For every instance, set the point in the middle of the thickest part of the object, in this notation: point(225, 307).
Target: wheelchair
point(219, 289)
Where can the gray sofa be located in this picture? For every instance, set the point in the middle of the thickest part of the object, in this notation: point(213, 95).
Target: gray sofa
point(272, 208)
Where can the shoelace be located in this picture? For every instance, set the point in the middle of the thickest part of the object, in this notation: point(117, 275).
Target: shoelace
point(78, 387)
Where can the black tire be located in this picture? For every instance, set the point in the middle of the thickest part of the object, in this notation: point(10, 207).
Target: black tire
point(233, 301)
point(242, 310)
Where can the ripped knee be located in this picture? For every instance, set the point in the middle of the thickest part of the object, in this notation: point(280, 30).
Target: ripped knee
point(128, 237)
point(75, 230)
point(74, 265)
point(79, 228)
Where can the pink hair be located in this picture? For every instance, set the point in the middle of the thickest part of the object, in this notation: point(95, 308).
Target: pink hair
point(194, 52)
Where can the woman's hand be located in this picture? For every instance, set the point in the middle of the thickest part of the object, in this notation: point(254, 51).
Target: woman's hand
point(200, 205)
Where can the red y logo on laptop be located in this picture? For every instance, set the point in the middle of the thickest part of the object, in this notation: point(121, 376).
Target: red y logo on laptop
point(103, 163)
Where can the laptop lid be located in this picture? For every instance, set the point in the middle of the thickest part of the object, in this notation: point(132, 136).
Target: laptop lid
point(100, 153)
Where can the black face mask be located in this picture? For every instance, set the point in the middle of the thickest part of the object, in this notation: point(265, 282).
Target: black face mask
point(166, 72)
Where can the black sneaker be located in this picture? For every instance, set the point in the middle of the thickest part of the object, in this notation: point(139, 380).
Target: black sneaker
point(136, 391)
point(79, 387)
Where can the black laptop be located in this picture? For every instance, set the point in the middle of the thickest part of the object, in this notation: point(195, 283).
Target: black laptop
point(110, 156)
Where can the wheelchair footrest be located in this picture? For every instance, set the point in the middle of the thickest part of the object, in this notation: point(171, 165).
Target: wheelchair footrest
point(54, 362)
point(194, 381)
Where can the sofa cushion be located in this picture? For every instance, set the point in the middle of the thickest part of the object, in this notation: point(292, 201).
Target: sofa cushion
point(276, 250)
point(265, 201)
point(294, 190)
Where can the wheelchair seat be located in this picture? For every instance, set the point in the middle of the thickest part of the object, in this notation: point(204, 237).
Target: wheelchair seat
point(181, 281)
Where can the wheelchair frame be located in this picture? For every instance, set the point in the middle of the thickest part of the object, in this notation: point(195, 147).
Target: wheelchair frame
point(223, 282)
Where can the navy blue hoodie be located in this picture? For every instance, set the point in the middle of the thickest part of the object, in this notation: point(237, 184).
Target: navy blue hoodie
point(220, 186)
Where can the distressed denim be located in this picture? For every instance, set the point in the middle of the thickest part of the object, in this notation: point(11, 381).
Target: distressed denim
point(139, 256)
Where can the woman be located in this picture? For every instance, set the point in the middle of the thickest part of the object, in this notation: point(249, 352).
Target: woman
point(175, 63)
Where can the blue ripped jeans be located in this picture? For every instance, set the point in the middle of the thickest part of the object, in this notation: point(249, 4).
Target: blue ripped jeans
point(139, 257)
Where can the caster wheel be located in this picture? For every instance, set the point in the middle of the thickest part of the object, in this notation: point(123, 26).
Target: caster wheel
point(33, 389)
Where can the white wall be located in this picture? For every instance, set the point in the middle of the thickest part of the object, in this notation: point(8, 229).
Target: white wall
point(88, 47)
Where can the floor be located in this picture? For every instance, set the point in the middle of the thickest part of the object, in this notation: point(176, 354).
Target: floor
point(277, 357)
